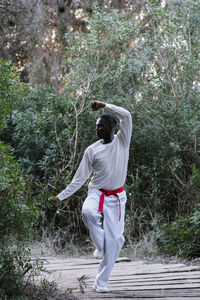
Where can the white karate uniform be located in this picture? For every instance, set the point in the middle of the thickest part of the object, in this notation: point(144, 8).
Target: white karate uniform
point(108, 163)
point(110, 237)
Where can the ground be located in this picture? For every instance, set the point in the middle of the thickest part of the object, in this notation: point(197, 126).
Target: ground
point(134, 279)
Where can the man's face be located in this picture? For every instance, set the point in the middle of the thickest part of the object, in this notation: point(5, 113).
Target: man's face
point(103, 130)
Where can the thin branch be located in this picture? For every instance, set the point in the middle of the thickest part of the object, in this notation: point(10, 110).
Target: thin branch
point(174, 173)
point(163, 64)
point(57, 139)
point(77, 118)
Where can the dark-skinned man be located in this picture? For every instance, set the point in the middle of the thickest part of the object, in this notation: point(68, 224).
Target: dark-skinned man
point(107, 161)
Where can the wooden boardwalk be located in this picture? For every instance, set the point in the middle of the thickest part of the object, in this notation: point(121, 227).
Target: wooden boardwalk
point(128, 280)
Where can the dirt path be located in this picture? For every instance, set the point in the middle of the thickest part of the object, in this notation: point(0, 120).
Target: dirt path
point(129, 279)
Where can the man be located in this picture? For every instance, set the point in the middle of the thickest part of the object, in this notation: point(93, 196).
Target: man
point(107, 159)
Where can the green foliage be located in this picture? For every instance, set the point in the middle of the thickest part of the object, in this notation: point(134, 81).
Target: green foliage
point(13, 266)
point(11, 90)
point(165, 97)
point(17, 216)
point(18, 212)
point(40, 131)
point(181, 238)
point(82, 283)
point(94, 59)
point(37, 127)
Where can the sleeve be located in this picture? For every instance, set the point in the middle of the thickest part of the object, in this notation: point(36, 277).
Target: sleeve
point(82, 174)
point(125, 118)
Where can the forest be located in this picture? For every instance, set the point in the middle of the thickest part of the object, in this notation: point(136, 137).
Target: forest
point(56, 57)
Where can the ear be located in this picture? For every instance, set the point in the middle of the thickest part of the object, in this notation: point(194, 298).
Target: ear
point(111, 126)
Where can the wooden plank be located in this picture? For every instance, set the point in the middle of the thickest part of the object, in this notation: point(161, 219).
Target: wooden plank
point(160, 287)
point(88, 260)
point(157, 269)
point(183, 276)
point(153, 293)
point(170, 294)
point(150, 272)
point(129, 280)
point(131, 271)
point(166, 282)
point(141, 298)
point(122, 276)
point(155, 276)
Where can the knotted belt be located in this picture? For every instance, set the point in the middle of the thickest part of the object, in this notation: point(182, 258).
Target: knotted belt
point(110, 193)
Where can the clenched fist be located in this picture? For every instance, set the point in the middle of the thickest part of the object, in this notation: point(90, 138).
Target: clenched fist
point(97, 104)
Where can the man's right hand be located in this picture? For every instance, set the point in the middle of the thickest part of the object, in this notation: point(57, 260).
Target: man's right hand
point(54, 200)
point(97, 104)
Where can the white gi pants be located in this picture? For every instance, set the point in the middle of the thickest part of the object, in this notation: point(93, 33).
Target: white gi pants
point(110, 237)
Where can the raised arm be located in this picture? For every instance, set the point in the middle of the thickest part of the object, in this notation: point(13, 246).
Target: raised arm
point(125, 122)
point(82, 174)
point(124, 117)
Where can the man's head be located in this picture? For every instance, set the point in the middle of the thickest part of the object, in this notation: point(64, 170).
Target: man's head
point(105, 126)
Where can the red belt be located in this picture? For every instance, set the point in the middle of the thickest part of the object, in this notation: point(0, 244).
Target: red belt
point(109, 193)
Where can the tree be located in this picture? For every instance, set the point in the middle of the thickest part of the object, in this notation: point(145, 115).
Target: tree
point(32, 33)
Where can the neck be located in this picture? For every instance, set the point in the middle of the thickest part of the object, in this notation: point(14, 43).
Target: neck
point(108, 139)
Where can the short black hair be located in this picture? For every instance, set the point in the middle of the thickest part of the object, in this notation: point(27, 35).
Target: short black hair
point(110, 119)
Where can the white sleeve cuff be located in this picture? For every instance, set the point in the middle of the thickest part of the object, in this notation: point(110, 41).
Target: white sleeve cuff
point(60, 196)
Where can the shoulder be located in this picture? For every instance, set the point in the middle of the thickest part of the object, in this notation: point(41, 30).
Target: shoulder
point(91, 149)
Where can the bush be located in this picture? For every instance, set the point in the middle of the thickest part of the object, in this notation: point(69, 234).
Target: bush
point(12, 90)
point(164, 93)
point(18, 214)
point(181, 237)
point(35, 129)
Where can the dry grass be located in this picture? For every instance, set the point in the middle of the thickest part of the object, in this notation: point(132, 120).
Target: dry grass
point(52, 246)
